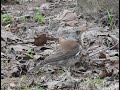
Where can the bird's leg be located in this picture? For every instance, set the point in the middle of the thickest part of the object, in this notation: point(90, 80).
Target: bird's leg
point(77, 53)
point(69, 71)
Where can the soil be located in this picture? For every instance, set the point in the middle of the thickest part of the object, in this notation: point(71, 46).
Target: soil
point(26, 43)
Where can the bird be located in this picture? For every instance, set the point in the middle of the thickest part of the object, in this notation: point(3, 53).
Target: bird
point(68, 45)
point(68, 50)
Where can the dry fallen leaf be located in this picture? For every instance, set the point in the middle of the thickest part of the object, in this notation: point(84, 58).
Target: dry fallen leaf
point(102, 55)
point(40, 40)
point(103, 74)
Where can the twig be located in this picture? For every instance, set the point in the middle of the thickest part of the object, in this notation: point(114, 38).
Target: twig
point(104, 50)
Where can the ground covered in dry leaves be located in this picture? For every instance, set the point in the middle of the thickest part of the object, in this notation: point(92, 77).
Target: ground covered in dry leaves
point(30, 32)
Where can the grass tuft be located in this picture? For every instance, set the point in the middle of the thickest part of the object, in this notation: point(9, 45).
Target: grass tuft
point(38, 17)
point(6, 19)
